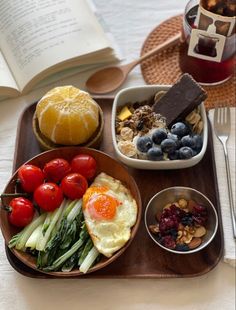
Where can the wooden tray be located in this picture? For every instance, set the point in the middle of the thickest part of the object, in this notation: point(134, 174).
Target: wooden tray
point(143, 258)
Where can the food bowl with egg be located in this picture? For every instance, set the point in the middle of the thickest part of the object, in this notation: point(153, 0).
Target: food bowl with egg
point(145, 139)
point(67, 116)
point(181, 220)
point(97, 214)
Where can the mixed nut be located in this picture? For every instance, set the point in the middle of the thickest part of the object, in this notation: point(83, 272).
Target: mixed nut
point(181, 225)
point(142, 133)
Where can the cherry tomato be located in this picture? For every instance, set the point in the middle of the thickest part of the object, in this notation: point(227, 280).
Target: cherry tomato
point(48, 196)
point(85, 165)
point(56, 169)
point(74, 185)
point(21, 211)
point(30, 177)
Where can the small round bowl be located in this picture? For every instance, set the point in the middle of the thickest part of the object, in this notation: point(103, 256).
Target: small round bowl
point(46, 144)
point(106, 164)
point(172, 194)
point(139, 94)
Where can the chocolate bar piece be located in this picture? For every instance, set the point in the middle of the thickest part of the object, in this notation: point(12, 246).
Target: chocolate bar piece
point(180, 99)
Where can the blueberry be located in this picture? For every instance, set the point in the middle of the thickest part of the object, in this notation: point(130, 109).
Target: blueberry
point(195, 152)
point(144, 143)
point(168, 146)
point(173, 232)
point(198, 142)
point(185, 152)
point(173, 156)
point(187, 220)
point(155, 153)
point(175, 138)
point(188, 141)
point(180, 129)
point(181, 247)
point(159, 135)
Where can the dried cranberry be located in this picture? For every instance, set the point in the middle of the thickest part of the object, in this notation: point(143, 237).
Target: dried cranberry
point(166, 213)
point(168, 242)
point(200, 220)
point(167, 223)
point(199, 209)
point(177, 211)
point(199, 214)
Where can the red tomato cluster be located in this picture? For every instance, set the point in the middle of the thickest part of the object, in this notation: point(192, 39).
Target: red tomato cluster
point(48, 186)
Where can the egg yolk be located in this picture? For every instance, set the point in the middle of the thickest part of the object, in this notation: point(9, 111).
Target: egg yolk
point(93, 190)
point(102, 206)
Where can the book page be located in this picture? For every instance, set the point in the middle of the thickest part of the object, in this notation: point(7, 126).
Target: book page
point(38, 34)
point(6, 78)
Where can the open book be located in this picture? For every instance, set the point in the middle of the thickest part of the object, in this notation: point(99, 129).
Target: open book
point(40, 38)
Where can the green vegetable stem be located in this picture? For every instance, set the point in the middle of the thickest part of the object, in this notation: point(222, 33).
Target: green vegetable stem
point(58, 239)
point(62, 259)
point(19, 241)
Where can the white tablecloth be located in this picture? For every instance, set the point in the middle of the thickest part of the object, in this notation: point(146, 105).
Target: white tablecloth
point(130, 22)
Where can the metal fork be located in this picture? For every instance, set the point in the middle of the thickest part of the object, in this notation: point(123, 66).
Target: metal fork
point(222, 126)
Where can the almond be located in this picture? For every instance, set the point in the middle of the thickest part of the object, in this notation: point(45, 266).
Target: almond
point(195, 242)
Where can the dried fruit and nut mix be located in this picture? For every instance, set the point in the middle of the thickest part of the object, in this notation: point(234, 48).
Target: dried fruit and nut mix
point(142, 133)
point(181, 225)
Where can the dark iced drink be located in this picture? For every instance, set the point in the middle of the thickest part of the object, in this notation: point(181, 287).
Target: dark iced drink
point(205, 71)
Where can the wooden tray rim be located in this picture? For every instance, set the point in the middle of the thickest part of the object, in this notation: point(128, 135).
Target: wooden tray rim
point(39, 275)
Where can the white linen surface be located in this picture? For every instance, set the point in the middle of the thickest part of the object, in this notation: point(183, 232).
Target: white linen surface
point(130, 22)
point(229, 241)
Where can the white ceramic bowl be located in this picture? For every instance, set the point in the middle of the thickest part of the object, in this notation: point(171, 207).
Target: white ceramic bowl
point(141, 93)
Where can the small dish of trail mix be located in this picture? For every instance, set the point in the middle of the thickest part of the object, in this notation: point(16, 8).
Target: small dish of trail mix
point(145, 139)
point(181, 219)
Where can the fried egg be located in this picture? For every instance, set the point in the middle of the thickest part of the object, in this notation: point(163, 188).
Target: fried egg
point(110, 211)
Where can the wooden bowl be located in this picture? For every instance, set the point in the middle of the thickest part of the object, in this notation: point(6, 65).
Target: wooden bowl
point(105, 164)
point(46, 144)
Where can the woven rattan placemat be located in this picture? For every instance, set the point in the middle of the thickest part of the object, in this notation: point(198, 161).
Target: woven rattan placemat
point(163, 68)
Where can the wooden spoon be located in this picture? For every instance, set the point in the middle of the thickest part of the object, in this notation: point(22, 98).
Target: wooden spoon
point(109, 79)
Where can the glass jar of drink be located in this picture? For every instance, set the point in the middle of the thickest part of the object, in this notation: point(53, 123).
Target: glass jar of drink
point(206, 71)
